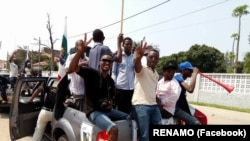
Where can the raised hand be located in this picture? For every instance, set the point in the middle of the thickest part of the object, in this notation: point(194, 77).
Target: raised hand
point(139, 51)
point(195, 70)
point(84, 43)
point(120, 38)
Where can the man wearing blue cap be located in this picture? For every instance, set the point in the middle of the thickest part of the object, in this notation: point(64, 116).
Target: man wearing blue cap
point(182, 109)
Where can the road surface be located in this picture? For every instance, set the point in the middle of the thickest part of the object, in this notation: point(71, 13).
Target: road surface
point(218, 116)
point(215, 116)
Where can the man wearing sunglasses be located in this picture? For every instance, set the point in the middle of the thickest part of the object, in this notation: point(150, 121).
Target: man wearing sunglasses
point(100, 90)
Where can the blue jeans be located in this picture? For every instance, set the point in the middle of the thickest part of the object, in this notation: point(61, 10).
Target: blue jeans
point(186, 117)
point(103, 120)
point(13, 81)
point(146, 115)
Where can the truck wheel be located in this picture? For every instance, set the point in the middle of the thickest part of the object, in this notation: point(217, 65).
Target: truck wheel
point(63, 138)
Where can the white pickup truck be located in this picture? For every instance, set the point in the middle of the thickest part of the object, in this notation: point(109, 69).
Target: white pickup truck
point(68, 124)
point(72, 125)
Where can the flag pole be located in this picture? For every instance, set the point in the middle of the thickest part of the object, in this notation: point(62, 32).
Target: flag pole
point(63, 54)
point(122, 16)
point(66, 35)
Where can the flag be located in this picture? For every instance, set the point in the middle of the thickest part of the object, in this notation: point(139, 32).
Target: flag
point(61, 70)
point(63, 55)
point(65, 41)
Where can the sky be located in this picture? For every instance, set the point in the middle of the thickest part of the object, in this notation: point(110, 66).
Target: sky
point(171, 25)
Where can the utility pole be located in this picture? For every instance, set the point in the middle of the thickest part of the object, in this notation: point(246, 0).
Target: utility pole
point(39, 55)
point(7, 61)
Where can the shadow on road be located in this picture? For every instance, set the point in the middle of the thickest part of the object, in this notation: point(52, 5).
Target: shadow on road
point(4, 112)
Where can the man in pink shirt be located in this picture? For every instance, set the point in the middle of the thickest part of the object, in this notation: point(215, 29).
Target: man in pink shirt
point(168, 90)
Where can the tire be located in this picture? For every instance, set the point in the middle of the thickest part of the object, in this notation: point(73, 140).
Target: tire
point(63, 138)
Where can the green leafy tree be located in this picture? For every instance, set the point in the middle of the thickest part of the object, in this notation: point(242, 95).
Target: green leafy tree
point(207, 59)
point(238, 12)
point(42, 58)
point(173, 58)
point(240, 67)
point(229, 67)
point(246, 63)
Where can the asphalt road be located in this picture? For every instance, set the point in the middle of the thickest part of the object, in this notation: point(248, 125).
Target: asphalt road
point(215, 116)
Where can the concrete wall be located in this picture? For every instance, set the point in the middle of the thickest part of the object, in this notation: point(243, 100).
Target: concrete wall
point(53, 73)
point(210, 92)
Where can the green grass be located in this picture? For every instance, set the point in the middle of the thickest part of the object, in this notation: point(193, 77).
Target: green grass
point(246, 110)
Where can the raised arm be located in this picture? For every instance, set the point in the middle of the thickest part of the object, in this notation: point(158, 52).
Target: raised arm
point(36, 92)
point(119, 48)
point(138, 54)
point(12, 56)
point(190, 88)
point(74, 67)
point(114, 72)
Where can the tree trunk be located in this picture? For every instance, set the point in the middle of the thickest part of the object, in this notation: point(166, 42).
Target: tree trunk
point(232, 57)
point(237, 50)
point(52, 53)
point(52, 66)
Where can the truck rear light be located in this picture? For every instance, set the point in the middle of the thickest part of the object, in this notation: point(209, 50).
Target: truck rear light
point(201, 117)
point(181, 122)
point(102, 136)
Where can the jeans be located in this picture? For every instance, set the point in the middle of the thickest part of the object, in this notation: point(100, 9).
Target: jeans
point(103, 119)
point(146, 115)
point(123, 100)
point(3, 89)
point(13, 81)
point(42, 121)
point(186, 117)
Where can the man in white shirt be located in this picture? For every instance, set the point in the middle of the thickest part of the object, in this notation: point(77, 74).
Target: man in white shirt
point(168, 90)
point(13, 69)
point(76, 86)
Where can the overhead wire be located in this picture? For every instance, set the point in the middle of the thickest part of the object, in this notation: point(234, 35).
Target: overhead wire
point(174, 18)
point(124, 18)
point(189, 13)
point(168, 20)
